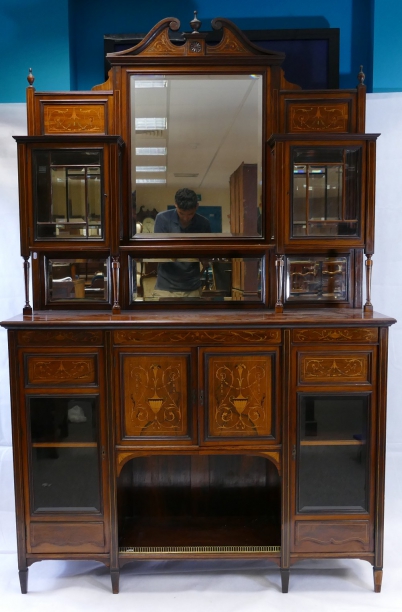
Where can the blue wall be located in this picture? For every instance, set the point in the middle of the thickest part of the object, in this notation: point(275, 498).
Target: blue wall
point(63, 40)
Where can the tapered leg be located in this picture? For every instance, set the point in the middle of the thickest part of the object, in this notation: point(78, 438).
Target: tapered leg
point(285, 580)
point(115, 576)
point(377, 579)
point(23, 576)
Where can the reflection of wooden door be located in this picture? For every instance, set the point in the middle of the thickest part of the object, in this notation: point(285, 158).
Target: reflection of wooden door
point(243, 200)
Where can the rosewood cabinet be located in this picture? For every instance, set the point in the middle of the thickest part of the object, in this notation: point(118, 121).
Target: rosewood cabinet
point(248, 421)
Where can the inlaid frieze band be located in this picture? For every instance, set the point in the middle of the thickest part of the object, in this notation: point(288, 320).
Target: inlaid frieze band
point(74, 119)
point(196, 337)
point(59, 338)
point(328, 335)
point(318, 117)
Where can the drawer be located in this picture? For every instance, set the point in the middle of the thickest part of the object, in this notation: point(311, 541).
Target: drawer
point(183, 337)
point(333, 335)
point(333, 367)
point(51, 537)
point(332, 536)
point(50, 370)
point(60, 337)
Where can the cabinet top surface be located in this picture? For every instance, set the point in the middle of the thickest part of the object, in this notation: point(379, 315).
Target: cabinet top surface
point(201, 318)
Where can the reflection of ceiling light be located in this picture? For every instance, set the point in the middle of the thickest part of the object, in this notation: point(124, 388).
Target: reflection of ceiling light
point(150, 151)
point(186, 174)
point(149, 84)
point(150, 123)
point(150, 181)
point(150, 168)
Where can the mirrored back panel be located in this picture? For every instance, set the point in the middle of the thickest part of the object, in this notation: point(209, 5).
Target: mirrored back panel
point(74, 280)
point(196, 279)
point(196, 141)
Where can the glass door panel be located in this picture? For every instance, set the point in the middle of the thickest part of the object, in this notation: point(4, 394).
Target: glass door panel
point(333, 458)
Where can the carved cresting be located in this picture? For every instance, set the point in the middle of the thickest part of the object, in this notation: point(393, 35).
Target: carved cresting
point(155, 395)
point(240, 396)
point(74, 119)
point(61, 370)
point(319, 118)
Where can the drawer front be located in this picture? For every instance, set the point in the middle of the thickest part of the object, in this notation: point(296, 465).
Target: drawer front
point(154, 396)
point(332, 536)
point(328, 368)
point(59, 337)
point(332, 335)
point(239, 396)
point(257, 337)
point(61, 370)
point(54, 537)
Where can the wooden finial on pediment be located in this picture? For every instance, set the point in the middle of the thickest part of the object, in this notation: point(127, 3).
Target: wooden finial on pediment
point(361, 76)
point(30, 78)
point(195, 23)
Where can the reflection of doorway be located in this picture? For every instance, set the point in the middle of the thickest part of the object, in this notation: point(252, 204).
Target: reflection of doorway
point(213, 214)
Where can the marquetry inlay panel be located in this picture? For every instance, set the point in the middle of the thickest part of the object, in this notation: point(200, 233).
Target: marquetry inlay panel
point(74, 119)
point(330, 335)
point(78, 370)
point(327, 536)
point(304, 117)
point(239, 395)
point(196, 337)
point(155, 395)
point(59, 337)
point(320, 368)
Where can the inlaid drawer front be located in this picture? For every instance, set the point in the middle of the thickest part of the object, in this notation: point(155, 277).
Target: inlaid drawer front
point(334, 536)
point(342, 335)
point(74, 118)
point(59, 337)
point(77, 370)
point(67, 537)
point(155, 395)
point(196, 337)
point(315, 368)
point(239, 395)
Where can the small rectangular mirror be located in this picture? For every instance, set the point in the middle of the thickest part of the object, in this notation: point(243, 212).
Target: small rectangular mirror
point(77, 280)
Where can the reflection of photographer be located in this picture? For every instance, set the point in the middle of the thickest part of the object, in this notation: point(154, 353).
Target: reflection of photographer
point(181, 278)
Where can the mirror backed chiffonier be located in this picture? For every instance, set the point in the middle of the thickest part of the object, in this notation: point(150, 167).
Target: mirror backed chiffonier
point(197, 376)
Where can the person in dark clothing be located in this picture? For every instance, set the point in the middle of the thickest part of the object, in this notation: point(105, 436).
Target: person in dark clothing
point(181, 278)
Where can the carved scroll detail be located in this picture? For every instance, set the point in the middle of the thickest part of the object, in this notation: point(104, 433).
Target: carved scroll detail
point(319, 118)
point(335, 335)
point(86, 119)
point(145, 336)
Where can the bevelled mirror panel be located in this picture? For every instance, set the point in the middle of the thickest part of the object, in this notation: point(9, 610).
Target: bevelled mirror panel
point(195, 279)
point(77, 279)
point(316, 278)
point(201, 133)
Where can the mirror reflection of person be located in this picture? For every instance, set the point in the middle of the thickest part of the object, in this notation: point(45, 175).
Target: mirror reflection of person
point(181, 278)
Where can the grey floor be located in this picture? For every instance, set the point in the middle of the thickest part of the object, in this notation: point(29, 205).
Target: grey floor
point(207, 586)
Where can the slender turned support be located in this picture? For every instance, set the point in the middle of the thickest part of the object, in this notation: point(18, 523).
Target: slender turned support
point(368, 306)
point(377, 572)
point(279, 263)
point(23, 576)
point(285, 580)
point(115, 577)
point(116, 284)
point(27, 310)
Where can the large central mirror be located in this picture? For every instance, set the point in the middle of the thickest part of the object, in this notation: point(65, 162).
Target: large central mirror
point(196, 155)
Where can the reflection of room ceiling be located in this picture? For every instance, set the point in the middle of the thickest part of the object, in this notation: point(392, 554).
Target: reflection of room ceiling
point(213, 125)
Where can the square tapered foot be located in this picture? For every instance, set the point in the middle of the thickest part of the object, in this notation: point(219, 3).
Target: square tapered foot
point(285, 580)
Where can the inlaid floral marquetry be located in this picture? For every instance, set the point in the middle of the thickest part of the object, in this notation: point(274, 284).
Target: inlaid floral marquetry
point(342, 335)
point(155, 395)
point(61, 370)
point(60, 338)
point(195, 337)
point(318, 117)
point(339, 368)
point(74, 119)
point(239, 395)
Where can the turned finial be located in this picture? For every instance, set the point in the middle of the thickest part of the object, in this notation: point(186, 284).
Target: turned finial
point(30, 78)
point(361, 76)
point(195, 23)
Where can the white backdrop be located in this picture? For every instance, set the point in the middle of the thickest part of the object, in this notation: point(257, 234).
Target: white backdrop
point(383, 116)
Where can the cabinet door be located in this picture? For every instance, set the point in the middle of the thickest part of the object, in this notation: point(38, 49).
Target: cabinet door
point(239, 395)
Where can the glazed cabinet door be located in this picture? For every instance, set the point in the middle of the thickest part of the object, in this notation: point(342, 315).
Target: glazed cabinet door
point(65, 471)
point(333, 449)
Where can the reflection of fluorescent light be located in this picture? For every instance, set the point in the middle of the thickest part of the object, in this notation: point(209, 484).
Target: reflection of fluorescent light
point(149, 84)
point(150, 123)
point(150, 168)
point(150, 181)
point(150, 151)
